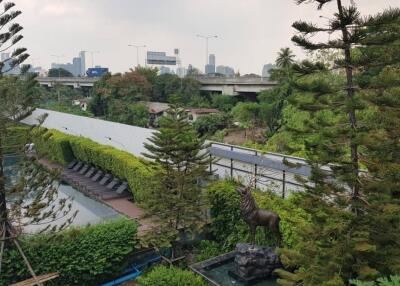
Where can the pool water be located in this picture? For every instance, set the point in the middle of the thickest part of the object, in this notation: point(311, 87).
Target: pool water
point(89, 210)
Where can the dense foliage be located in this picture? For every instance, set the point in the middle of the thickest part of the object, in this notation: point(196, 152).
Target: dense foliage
point(59, 72)
point(82, 256)
point(391, 281)
point(170, 276)
point(228, 228)
point(63, 148)
point(351, 123)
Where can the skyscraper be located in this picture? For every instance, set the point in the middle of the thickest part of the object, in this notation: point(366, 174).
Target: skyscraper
point(211, 59)
point(83, 63)
point(5, 58)
point(210, 67)
point(77, 66)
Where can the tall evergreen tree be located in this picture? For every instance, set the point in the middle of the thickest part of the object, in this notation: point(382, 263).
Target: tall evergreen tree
point(31, 197)
point(177, 202)
point(354, 226)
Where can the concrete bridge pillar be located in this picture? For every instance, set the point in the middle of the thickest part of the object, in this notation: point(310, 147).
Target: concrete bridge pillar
point(229, 90)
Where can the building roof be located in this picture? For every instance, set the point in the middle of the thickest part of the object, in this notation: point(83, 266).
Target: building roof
point(202, 110)
point(156, 107)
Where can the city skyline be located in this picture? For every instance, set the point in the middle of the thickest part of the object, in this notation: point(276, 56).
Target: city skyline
point(250, 33)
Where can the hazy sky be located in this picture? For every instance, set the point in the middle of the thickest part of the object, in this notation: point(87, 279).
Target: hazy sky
point(250, 31)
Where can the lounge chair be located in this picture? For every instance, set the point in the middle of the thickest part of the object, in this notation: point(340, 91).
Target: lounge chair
point(84, 169)
point(77, 167)
point(122, 188)
point(97, 176)
point(105, 179)
point(113, 184)
point(91, 172)
point(72, 164)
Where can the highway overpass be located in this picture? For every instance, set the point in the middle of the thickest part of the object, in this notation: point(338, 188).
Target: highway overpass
point(227, 86)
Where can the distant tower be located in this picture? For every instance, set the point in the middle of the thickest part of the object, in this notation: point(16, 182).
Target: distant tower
point(77, 66)
point(83, 63)
point(211, 60)
point(210, 67)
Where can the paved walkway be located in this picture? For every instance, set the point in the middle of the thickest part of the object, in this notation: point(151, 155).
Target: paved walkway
point(121, 204)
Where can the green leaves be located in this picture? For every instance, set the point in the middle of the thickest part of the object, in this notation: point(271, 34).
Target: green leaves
point(172, 276)
point(82, 256)
point(177, 201)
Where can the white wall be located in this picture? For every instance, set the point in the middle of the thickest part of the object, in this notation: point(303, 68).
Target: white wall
point(124, 137)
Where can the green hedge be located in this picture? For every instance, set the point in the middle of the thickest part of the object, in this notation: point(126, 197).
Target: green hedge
point(137, 172)
point(170, 276)
point(53, 144)
point(63, 148)
point(82, 256)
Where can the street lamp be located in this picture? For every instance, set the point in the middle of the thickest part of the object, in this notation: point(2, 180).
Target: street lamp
point(92, 55)
point(206, 38)
point(137, 51)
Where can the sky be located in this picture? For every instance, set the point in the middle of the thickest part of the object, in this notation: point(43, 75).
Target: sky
point(250, 32)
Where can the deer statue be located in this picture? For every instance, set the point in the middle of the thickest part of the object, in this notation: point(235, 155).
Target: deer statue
point(254, 216)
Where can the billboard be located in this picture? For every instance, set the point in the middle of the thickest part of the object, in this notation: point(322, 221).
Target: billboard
point(160, 58)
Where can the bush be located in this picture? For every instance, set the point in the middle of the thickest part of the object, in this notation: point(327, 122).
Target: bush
point(53, 144)
point(208, 249)
point(82, 256)
point(229, 228)
point(391, 281)
point(137, 172)
point(170, 276)
point(63, 148)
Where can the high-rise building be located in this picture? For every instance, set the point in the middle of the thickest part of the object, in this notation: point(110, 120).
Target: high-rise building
point(211, 59)
point(5, 59)
point(210, 67)
point(225, 70)
point(267, 69)
point(82, 55)
point(77, 67)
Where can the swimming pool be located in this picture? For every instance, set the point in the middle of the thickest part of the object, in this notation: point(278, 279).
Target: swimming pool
point(89, 210)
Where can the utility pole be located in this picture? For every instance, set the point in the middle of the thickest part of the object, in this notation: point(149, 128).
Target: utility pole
point(59, 75)
point(206, 38)
point(137, 52)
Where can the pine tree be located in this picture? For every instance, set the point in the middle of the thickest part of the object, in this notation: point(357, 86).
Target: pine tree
point(354, 223)
point(30, 199)
point(177, 202)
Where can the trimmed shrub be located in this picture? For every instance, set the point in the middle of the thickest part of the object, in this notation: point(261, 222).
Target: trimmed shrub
point(53, 144)
point(63, 148)
point(82, 256)
point(138, 172)
point(170, 276)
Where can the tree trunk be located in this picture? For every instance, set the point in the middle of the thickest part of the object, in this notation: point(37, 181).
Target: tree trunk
point(3, 203)
point(350, 94)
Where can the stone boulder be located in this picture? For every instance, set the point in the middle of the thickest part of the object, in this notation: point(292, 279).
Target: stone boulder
point(255, 262)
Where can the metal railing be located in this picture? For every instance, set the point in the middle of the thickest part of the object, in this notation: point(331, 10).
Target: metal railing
point(276, 172)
